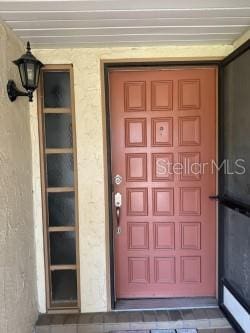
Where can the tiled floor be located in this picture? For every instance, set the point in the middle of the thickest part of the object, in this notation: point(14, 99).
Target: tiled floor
point(182, 330)
point(208, 320)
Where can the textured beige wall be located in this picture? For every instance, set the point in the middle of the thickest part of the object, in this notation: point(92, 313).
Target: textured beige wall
point(242, 39)
point(90, 129)
point(17, 253)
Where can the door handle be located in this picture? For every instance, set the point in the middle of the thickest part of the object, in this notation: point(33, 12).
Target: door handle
point(118, 204)
point(214, 197)
point(117, 210)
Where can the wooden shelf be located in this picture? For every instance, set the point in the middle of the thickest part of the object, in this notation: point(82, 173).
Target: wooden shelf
point(59, 189)
point(56, 110)
point(59, 151)
point(63, 267)
point(64, 304)
point(64, 307)
point(61, 229)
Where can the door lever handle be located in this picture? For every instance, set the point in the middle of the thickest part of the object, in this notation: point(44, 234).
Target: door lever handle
point(118, 204)
point(214, 197)
point(117, 210)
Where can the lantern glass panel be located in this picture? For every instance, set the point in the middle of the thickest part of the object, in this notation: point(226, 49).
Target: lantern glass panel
point(22, 70)
point(30, 75)
point(37, 72)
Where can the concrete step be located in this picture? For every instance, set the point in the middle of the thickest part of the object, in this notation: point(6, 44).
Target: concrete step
point(159, 321)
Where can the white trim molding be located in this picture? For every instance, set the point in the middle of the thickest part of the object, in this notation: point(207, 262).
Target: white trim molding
point(237, 310)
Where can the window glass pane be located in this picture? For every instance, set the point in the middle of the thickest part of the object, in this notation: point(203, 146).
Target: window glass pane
point(61, 209)
point(64, 285)
point(237, 252)
point(62, 248)
point(56, 89)
point(58, 130)
point(60, 170)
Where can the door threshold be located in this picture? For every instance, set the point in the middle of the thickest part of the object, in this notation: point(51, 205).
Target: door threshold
point(165, 303)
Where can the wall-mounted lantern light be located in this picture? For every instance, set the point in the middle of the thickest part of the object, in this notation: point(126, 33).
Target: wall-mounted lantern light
point(29, 70)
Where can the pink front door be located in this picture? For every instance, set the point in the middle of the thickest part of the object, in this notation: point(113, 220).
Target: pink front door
point(162, 121)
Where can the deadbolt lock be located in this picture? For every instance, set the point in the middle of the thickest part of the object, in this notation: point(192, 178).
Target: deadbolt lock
point(118, 179)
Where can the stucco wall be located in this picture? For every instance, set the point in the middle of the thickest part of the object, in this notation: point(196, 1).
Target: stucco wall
point(242, 39)
point(18, 302)
point(90, 129)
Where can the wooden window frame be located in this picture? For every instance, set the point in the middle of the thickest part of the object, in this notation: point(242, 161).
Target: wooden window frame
point(69, 306)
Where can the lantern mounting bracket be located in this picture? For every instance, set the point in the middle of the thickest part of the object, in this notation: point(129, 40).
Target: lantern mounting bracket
point(14, 92)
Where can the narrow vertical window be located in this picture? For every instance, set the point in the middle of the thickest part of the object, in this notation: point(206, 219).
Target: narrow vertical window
point(59, 186)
